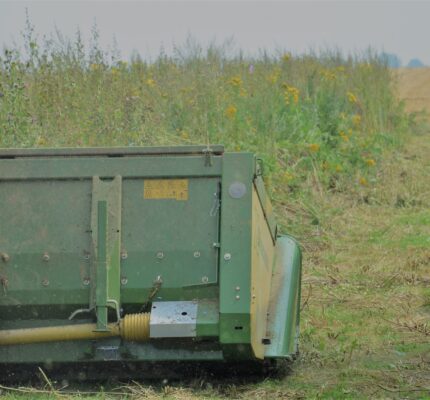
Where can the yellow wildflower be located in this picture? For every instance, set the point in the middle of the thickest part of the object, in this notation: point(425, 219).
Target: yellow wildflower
point(95, 67)
point(184, 135)
point(362, 181)
point(150, 82)
point(236, 81)
point(287, 176)
point(338, 168)
point(286, 57)
point(370, 162)
point(356, 120)
point(243, 92)
point(328, 75)
point(352, 98)
point(344, 136)
point(41, 141)
point(274, 76)
point(291, 92)
point(314, 147)
point(231, 111)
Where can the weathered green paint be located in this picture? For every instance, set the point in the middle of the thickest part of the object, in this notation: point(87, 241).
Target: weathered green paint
point(85, 237)
point(235, 250)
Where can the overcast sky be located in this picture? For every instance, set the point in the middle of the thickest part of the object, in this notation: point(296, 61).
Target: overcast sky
point(400, 27)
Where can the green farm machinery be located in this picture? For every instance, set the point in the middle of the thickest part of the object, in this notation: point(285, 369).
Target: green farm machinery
point(142, 255)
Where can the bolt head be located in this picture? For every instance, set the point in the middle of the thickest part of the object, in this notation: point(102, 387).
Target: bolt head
point(205, 279)
point(237, 288)
point(197, 254)
point(124, 281)
point(160, 255)
point(237, 297)
point(227, 256)
point(5, 257)
point(45, 257)
point(45, 282)
point(86, 281)
point(124, 255)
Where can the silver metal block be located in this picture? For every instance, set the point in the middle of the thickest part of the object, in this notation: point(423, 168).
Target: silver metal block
point(173, 319)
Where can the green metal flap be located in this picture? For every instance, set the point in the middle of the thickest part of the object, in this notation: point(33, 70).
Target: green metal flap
point(284, 306)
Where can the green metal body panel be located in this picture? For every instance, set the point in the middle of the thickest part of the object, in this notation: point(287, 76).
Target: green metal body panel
point(94, 234)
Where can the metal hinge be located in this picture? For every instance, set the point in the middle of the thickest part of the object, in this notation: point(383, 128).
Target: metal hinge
point(208, 156)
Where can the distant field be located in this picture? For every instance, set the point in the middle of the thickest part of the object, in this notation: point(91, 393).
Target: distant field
point(414, 88)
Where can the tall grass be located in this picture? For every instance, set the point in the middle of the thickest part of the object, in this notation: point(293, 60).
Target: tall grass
point(325, 118)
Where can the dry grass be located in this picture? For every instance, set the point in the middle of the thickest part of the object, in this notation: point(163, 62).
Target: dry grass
point(414, 87)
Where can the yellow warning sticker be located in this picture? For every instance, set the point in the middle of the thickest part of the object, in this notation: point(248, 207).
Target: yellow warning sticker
point(176, 189)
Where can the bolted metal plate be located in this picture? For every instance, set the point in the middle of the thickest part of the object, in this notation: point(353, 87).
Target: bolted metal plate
point(173, 319)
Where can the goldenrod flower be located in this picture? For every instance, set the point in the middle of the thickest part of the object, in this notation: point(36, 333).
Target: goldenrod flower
point(362, 181)
point(370, 162)
point(184, 135)
point(356, 120)
point(236, 81)
point(314, 147)
point(338, 168)
point(274, 76)
point(352, 98)
point(243, 92)
point(328, 75)
point(150, 82)
point(231, 111)
point(286, 57)
point(344, 136)
point(291, 92)
point(41, 141)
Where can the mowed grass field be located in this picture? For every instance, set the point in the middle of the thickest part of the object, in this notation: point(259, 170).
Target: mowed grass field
point(348, 171)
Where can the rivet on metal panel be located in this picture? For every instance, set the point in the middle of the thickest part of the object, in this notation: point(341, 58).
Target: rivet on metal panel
point(124, 255)
point(227, 256)
point(197, 254)
point(86, 281)
point(216, 245)
point(237, 297)
point(45, 256)
point(45, 282)
point(5, 257)
point(205, 279)
point(237, 288)
point(124, 280)
point(160, 255)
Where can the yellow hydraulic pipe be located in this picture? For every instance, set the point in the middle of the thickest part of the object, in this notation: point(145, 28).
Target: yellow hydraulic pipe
point(133, 327)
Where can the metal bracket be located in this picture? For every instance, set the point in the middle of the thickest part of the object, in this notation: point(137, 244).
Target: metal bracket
point(173, 319)
point(106, 234)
